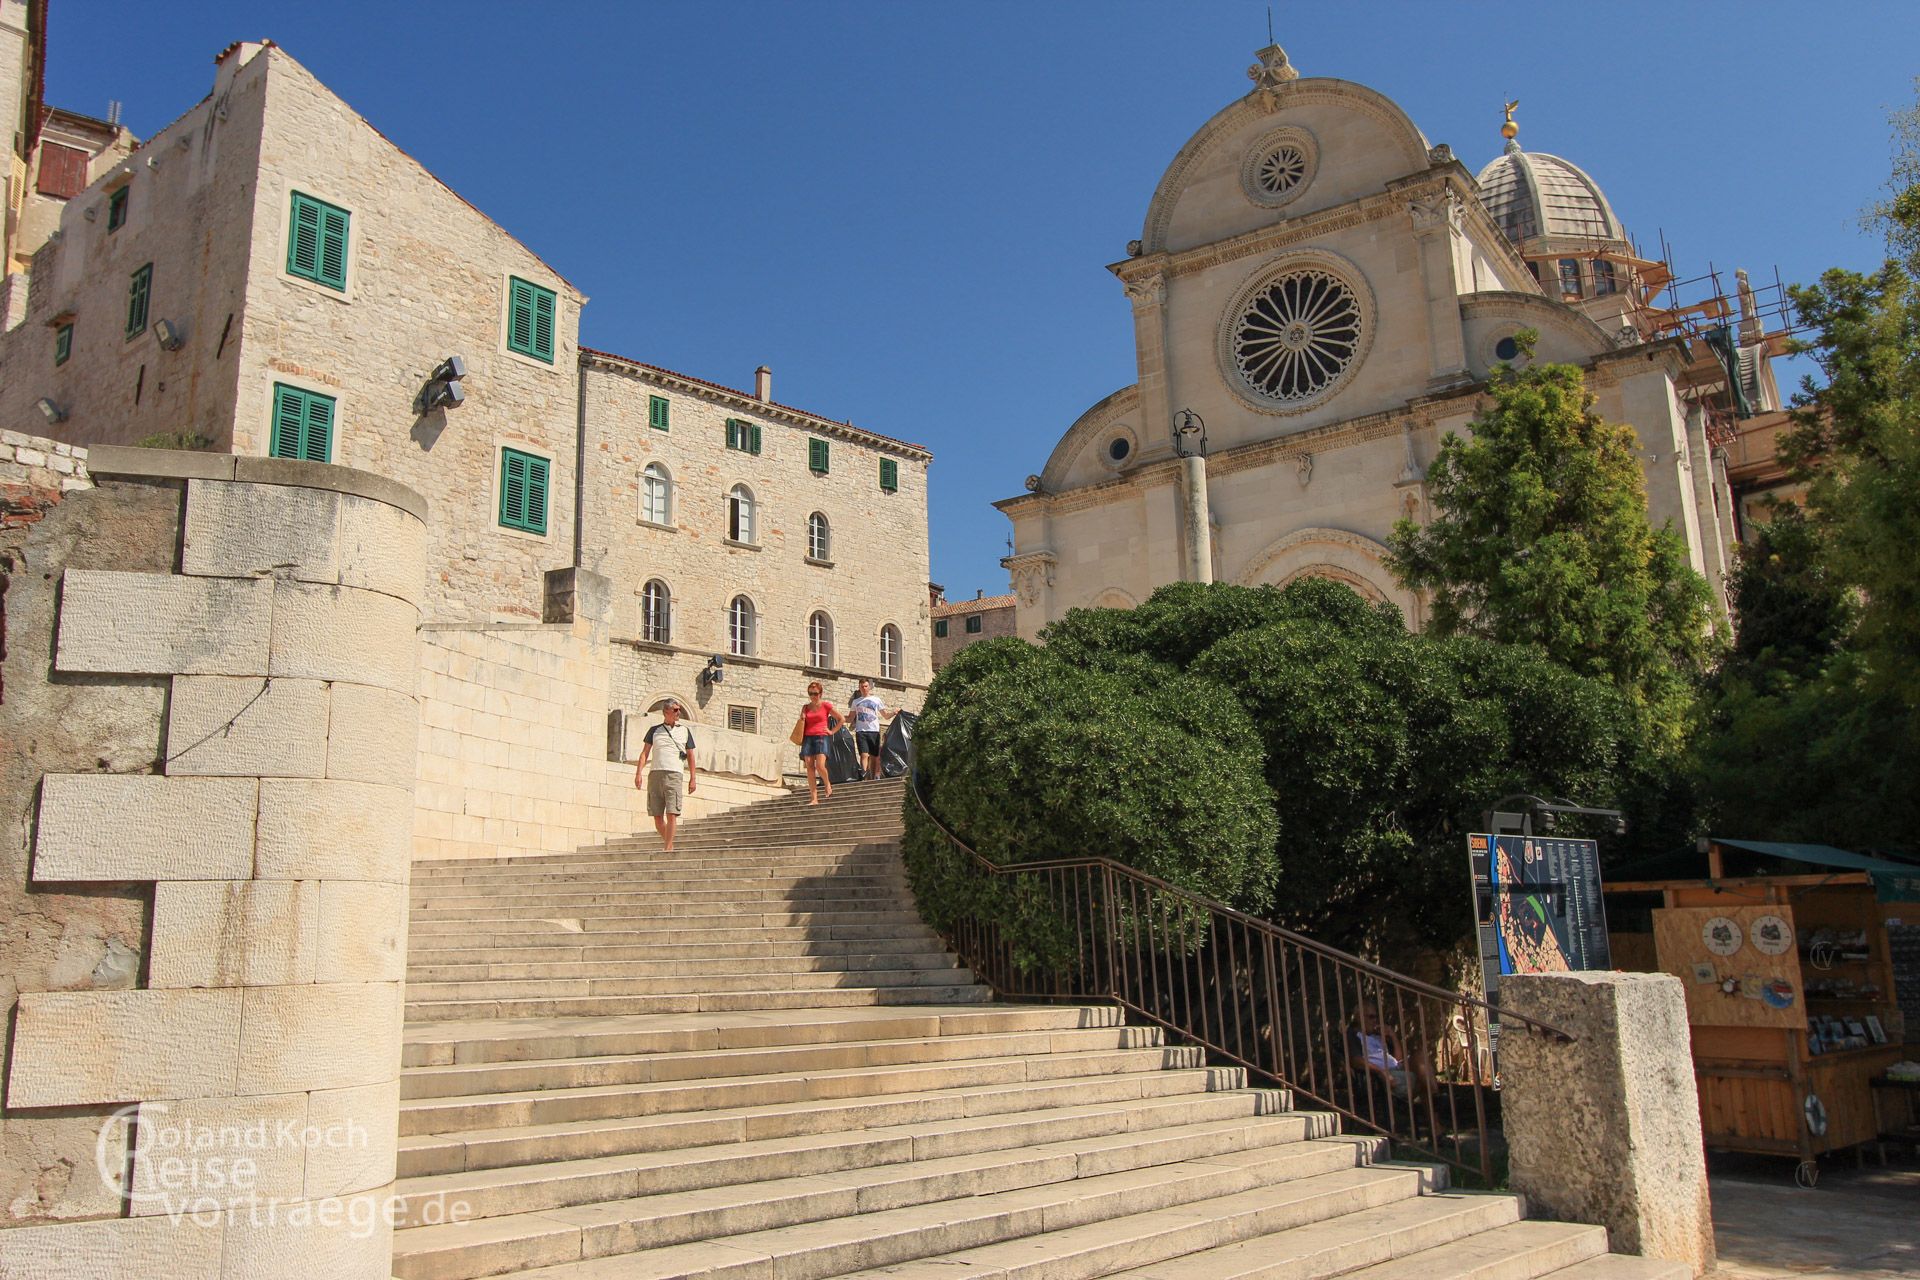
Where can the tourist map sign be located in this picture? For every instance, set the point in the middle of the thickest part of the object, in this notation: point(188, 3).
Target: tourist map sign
point(1537, 904)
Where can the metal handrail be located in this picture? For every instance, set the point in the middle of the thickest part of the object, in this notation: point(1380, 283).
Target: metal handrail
point(1351, 1035)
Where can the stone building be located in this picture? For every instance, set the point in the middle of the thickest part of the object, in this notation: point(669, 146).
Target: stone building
point(959, 623)
point(270, 276)
point(1319, 294)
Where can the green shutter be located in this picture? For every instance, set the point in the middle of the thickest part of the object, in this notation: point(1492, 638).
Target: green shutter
point(303, 239)
point(817, 456)
point(733, 433)
point(62, 344)
point(117, 209)
point(333, 247)
point(318, 446)
point(889, 475)
point(753, 445)
point(139, 293)
point(940, 627)
point(530, 319)
point(657, 413)
point(302, 424)
point(523, 491)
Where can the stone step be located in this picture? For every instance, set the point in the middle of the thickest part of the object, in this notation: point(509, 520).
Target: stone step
point(883, 1200)
point(1624, 1266)
point(1099, 1223)
point(668, 906)
point(601, 858)
point(876, 1155)
point(955, 1121)
point(550, 1105)
point(462, 1079)
point(541, 1040)
point(847, 962)
point(562, 931)
point(753, 923)
point(681, 984)
point(1335, 1246)
point(1517, 1251)
point(692, 1002)
point(680, 879)
point(605, 948)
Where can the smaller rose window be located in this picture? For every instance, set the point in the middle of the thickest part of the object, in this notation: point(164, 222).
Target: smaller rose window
point(1280, 170)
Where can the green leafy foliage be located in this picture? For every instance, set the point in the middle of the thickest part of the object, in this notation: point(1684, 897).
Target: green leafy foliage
point(1813, 730)
point(1294, 751)
point(1540, 536)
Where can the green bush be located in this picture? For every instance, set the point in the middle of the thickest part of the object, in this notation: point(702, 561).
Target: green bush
point(1293, 751)
point(1029, 757)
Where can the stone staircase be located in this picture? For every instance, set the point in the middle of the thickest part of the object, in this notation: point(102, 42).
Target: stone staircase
point(750, 1060)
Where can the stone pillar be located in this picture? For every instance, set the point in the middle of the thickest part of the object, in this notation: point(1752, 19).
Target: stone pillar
point(1607, 1129)
point(257, 1070)
point(1197, 545)
point(1436, 226)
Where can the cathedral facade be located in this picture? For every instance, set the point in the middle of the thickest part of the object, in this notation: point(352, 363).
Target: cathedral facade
point(1319, 295)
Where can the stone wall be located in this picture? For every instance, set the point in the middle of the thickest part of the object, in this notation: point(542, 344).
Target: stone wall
point(874, 573)
point(996, 614)
point(210, 705)
point(513, 746)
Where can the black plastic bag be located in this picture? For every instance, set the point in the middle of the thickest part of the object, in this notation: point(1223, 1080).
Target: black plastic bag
point(896, 749)
point(843, 757)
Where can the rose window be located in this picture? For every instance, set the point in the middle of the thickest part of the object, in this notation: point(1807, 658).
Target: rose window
point(1297, 336)
point(1280, 170)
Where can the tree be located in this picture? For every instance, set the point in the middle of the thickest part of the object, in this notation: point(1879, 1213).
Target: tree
point(1814, 721)
point(1542, 538)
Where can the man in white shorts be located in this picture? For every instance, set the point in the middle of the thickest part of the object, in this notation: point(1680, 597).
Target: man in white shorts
point(668, 748)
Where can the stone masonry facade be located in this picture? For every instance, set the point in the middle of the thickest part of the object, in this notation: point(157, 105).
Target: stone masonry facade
point(209, 209)
point(206, 920)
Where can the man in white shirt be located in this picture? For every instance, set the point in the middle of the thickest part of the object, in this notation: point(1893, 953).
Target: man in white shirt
point(668, 746)
point(868, 711)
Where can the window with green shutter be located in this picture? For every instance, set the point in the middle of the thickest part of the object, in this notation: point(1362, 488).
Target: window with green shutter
point(317, 242)
point(139, 294)
point(889, 475)
point(530, 312)
point(817, 456)
point(657, 412)
point(62, 343)
point(117, 209)
point(744, 436)
point(940, 627)
point(523, 491)
point(302, 424)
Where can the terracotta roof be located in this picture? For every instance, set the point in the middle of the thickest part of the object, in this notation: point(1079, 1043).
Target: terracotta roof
point(749, 400)
point(980, 605)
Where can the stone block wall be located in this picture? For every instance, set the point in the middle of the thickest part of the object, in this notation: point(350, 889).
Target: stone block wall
point(513, 746)
point(205, 907)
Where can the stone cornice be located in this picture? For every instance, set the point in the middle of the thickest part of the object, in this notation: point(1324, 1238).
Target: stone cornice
point(607, 362)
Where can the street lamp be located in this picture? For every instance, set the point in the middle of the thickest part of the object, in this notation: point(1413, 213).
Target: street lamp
point(1189, 427)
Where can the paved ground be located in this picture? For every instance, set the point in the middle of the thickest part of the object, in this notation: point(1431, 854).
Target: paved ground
point(1854, 1223)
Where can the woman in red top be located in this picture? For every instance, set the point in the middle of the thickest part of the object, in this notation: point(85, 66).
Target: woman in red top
point(818, 721)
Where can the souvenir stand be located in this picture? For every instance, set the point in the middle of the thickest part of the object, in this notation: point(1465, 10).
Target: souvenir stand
point(1791, 986)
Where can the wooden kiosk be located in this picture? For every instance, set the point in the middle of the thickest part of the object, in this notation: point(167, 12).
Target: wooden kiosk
point(1791, 989)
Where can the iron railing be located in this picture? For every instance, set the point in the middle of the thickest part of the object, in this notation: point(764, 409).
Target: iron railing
point(1391, 1054)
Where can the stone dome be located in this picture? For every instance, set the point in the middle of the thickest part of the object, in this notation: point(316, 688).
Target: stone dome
point(1531, 194)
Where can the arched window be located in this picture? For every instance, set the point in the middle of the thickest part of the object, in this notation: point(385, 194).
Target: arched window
point(889, 652)
point(1604, 279)
point(819, 537)
point(820, 641)
point(1570, 277)
point(740, 513)
point(742, 627)
point(656, 495)
point(656, 613)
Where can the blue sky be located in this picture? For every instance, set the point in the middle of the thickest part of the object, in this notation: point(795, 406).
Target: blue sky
point(906, 209)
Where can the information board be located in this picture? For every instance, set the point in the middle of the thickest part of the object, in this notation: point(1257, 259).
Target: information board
point(1538, 907)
